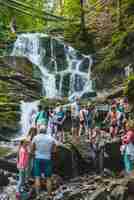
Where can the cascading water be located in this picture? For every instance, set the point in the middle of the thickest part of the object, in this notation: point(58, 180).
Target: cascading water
point(64, 71)
point(28, 111)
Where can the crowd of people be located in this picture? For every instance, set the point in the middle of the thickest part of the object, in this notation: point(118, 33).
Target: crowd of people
point(47, 130)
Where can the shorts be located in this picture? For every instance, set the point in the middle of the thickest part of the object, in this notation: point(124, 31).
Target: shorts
point(75, 122)
point(89, 124)
point(42, 166)
point(59, 127)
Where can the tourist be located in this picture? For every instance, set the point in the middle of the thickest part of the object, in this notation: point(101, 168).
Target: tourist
point(127, 148)
point(113, 117)
point(82, 117)
point(51, 125)
point(59, 120)
point(126, 107)
point(89, 120)
point(42, 117)
point(43, 145)
point(75, 110)
point(22, 164)
point(97, 120)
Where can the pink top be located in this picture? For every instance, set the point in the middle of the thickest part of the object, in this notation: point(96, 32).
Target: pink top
point(22, 162)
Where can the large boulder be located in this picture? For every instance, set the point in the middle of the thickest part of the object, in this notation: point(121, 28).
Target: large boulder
point(67, 162)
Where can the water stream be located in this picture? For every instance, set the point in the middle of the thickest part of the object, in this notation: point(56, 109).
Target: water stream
point(64, 71)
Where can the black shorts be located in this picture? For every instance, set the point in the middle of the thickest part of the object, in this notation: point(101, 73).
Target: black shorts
point(59, 127)
point(75, 122)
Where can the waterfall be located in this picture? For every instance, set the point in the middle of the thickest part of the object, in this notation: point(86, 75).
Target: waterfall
point(28, 111)
point(64, 71)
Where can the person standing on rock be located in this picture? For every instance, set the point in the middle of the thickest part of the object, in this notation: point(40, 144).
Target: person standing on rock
point(75, 113)
point(113, 117)
point(82, 116)
point(42, 117)
point(43, 145)
point(89, 120)
point(59, 120)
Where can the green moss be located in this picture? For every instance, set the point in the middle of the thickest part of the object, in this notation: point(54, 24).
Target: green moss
point(9, 118)
point(52, 102)
point(4, 151)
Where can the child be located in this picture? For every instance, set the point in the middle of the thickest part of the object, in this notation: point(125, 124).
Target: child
point(22, 164)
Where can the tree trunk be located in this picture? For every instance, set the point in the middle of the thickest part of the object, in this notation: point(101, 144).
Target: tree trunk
point(119, 14)
point(83, 26)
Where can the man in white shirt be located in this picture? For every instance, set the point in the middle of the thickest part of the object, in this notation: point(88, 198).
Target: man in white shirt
point(75, 112)
point(43, 145)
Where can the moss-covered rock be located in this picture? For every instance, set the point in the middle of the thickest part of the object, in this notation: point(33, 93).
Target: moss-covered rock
point(16, 84)
point(4, 151)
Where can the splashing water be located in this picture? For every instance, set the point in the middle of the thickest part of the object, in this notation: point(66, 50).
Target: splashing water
point(28, 110)
point(64, 71)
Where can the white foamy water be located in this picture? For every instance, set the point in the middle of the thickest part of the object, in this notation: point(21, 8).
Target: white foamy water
point(62, 67)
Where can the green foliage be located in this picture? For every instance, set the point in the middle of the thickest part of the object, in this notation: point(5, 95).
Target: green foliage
point(129, 89)
point(72, 9)
point(23, 21)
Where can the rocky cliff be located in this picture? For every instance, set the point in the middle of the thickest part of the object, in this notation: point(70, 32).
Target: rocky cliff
point(16, 84)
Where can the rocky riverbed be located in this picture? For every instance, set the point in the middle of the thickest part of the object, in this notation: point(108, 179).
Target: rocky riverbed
point(87, 187)
point(75, 176)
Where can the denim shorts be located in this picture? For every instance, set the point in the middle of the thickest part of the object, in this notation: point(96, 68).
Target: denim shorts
point(42, 166)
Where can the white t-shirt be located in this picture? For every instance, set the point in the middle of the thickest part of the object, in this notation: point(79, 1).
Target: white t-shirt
point(44, 143)
point(75, 109)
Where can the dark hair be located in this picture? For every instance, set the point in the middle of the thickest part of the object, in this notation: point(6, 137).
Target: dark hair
point(40, 107)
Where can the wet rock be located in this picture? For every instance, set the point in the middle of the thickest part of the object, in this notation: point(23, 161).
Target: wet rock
point(119, 193)
point(100, 194)
point(4, 181)
point(8, 165)
point(130, 186)
point(16, 84)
